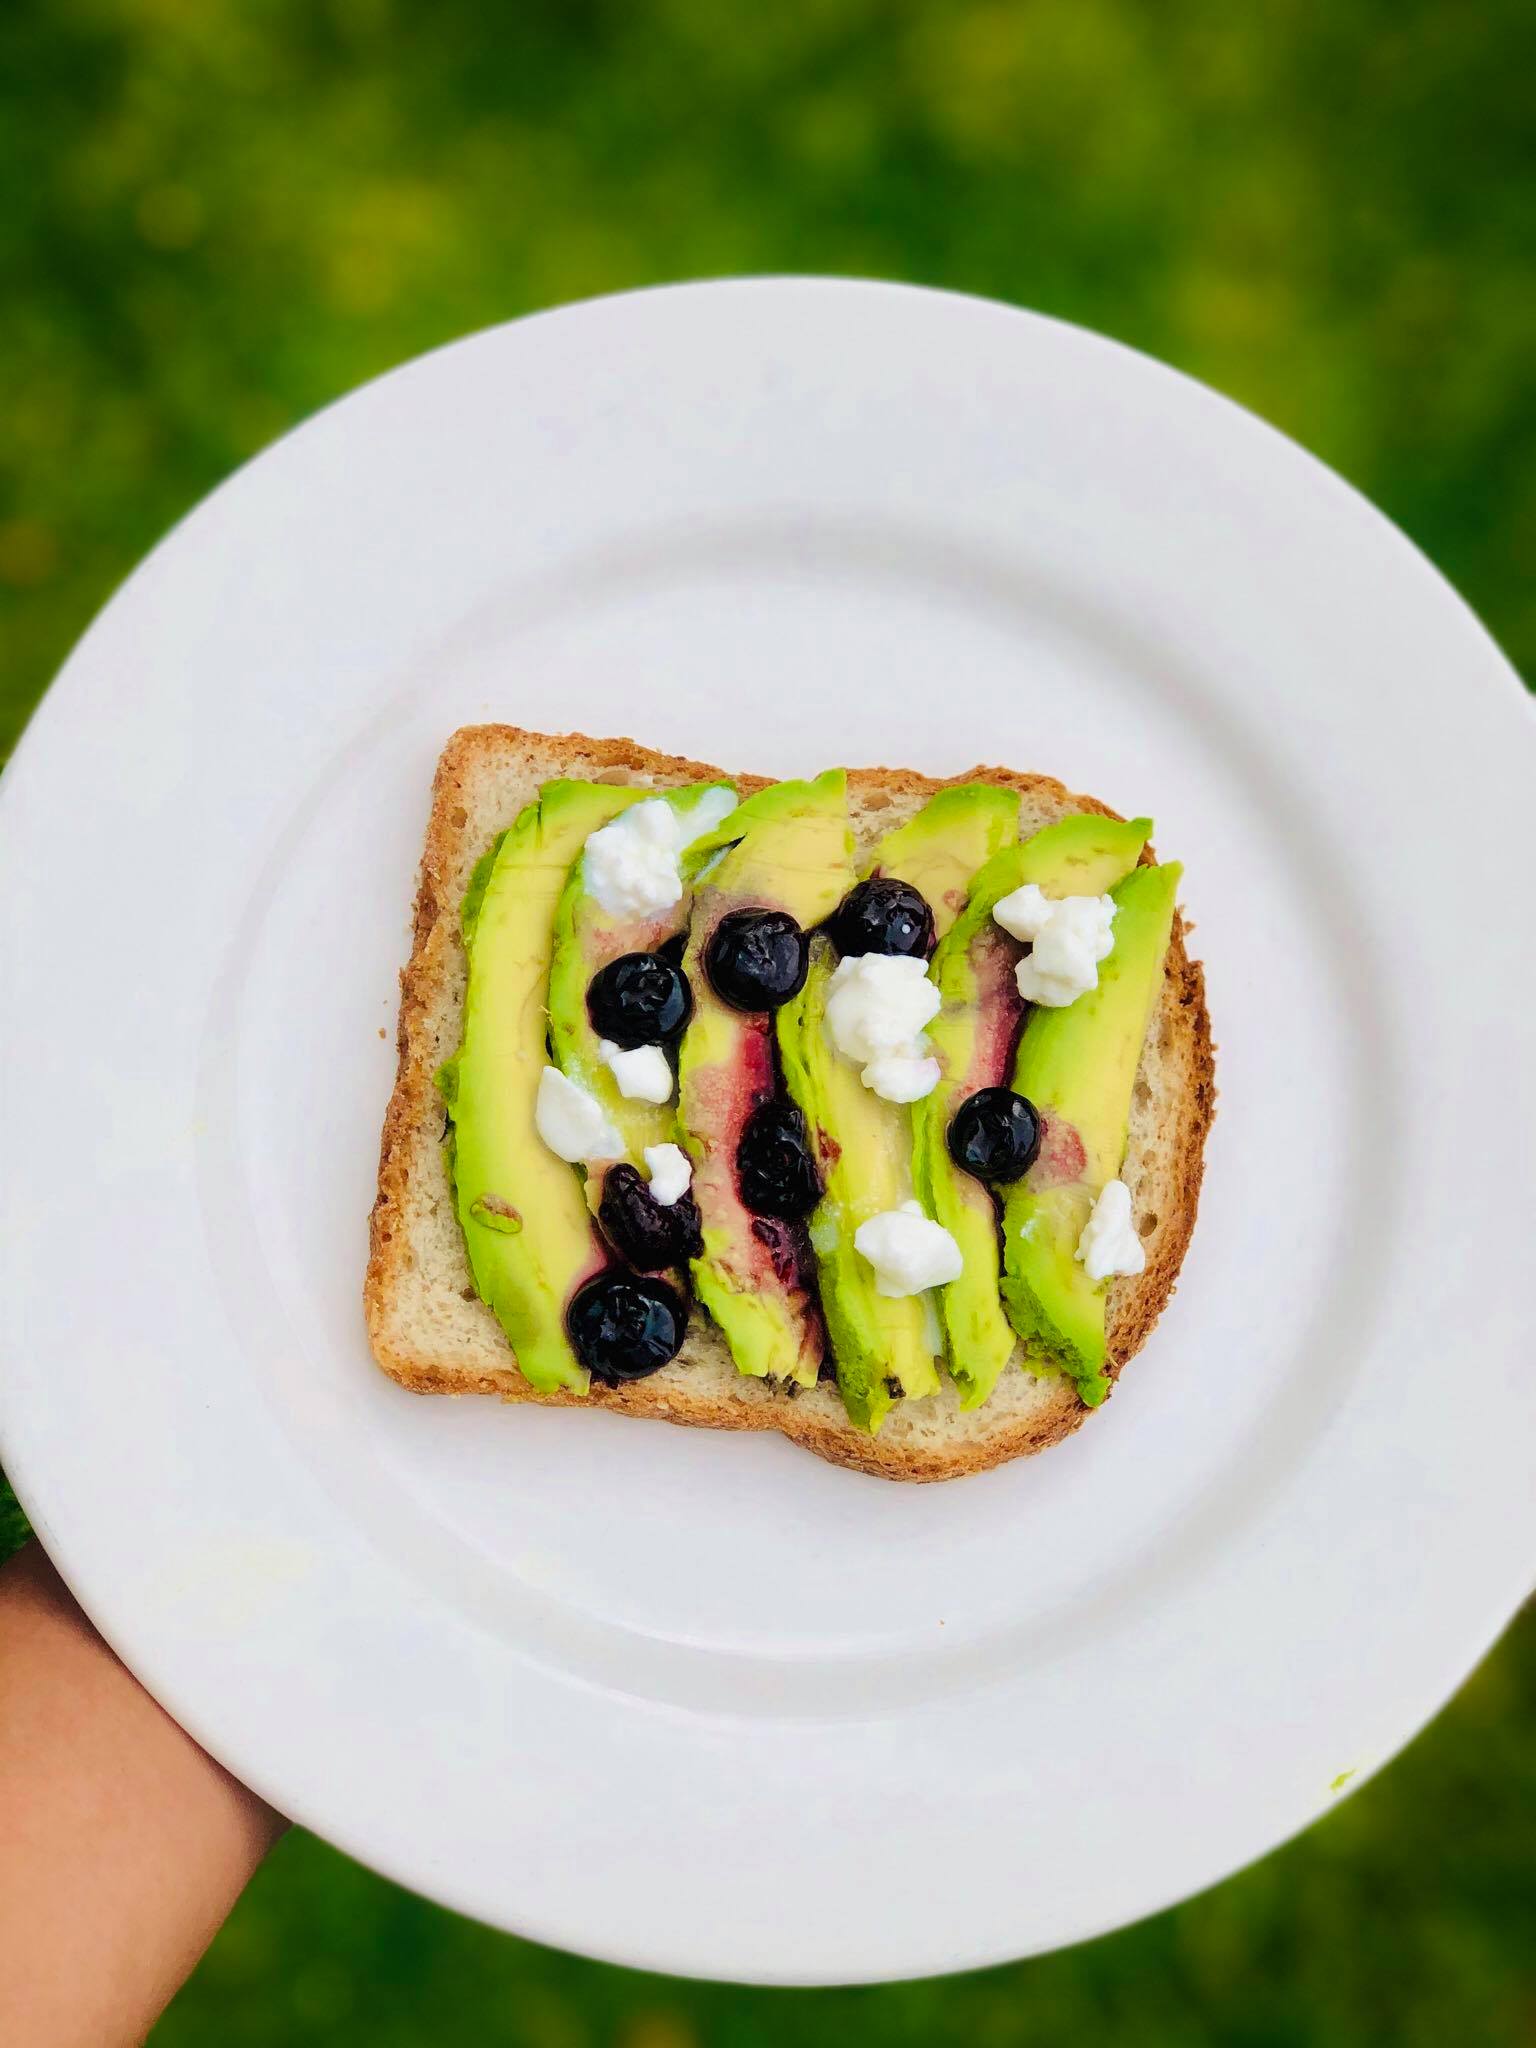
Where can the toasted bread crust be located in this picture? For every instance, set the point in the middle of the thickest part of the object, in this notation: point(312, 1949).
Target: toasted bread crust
point(428, 1031)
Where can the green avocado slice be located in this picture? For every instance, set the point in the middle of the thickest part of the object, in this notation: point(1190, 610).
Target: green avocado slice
point(788, 847)
point(940, 849)
point(973, 1039)
point(881, 1345)
point(1078, 1066)
point(863, 1145)
point(586, 939)
point(530, 1238)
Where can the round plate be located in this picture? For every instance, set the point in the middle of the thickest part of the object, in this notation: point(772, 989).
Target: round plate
point(692, 1701)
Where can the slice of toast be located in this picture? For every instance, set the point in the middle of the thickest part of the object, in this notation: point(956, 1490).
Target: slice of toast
point(429, 1328)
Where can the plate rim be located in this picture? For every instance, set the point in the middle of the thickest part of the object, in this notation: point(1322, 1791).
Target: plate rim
point(32, 1486)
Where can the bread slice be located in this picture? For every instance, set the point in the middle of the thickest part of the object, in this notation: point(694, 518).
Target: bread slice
point(429, 1328)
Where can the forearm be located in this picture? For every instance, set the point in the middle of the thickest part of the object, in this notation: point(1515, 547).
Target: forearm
point(124, 1844)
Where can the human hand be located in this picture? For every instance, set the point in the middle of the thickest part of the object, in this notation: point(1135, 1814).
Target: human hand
point(125, 1844)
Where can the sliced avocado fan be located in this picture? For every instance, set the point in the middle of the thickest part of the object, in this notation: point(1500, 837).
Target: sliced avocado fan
point(973, 1039)
point(535, 938)
point(786, 848)
point(882, 1346)
point(1078, 1066)
point(530, 1238)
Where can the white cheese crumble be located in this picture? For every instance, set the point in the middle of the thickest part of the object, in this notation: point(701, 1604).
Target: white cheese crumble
point(1109, 1244)
point(908, 1250)
point(572, 1123)
point(631, 866)
point(671, 1173)
point(901, 1077)
point(643, 1072)
point(877, 1006)
point(1069, 936)
point(712, 809)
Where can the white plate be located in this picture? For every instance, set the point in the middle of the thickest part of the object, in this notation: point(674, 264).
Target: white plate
point(699, 1702)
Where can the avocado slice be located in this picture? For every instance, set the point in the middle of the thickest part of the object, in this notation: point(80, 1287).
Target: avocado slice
point(863, 1144)
point(1078, 1066)
point(586, 938)
point(940, 849)
point(882, 1347)
point(788, 847)
point(530, 1238)
point(973, 1039)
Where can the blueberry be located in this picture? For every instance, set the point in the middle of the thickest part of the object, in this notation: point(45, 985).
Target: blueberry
point(774, 1167)
point(883, 916)
point(624, 1326)
point(995, 1134)
point(757, 959)
point(649, 1234)
point(639, 999)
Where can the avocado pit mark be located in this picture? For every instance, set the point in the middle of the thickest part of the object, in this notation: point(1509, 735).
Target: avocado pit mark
point(998, 1011)
point(1062, 1158)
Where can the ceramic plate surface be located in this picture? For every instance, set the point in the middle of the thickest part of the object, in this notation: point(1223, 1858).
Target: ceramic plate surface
point(694, 1701)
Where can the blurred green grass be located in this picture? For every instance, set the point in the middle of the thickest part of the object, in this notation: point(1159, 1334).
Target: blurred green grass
point(220, 214)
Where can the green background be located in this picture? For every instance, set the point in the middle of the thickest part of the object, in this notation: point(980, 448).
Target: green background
point(217, 215)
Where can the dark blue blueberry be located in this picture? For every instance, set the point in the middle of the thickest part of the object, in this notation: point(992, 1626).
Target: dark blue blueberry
point(625, 1325)
point(995, 1134)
